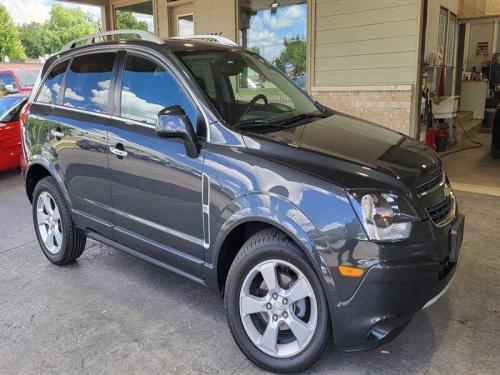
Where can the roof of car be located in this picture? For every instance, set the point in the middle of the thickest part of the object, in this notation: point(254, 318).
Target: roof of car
point(174, 45)
point(15, 96)
point(187, 44)
point(14, 69)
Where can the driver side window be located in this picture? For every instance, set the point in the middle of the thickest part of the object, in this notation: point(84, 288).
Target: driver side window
point(148, 88)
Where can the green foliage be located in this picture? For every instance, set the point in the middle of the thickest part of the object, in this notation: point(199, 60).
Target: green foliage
point(126, 20)
point(255, 50)
point(295, 54)
point(64, 25)
point(33, 39)
point(10, 43)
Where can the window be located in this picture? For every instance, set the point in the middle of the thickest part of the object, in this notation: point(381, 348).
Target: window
point(87, 85)
point(27, 77)
point(137, 16)
point(7, 79)
point(443, 23)
point(244, 89)
point(277, 30)
point(147, 88)
point(185, 25)
point(49, 92)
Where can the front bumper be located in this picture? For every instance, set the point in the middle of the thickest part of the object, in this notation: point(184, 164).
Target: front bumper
point(391, 293)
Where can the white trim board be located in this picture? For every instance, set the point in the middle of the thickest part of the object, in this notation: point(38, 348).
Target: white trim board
point(364, 88)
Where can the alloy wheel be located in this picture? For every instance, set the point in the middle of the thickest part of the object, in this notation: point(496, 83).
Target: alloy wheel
point(49, 222)
point(278, 308)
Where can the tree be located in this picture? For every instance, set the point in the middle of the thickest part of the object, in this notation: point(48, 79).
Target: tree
point(64, 25)
point(10, 43)
point(295, 54)
point(255, 50)
point(127, 20)
point(32, 38)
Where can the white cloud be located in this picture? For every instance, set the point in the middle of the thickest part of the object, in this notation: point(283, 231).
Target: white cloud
point(287, 16)
point(27, 11)
point(266, 31)
point(70, 94)
point(100, 97)
point(269, 44)
point(136, 108)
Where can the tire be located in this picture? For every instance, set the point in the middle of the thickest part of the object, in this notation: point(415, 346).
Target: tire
point(267, 250)
point(67, 242)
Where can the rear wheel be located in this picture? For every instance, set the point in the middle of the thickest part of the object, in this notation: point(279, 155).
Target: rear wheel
point(275, 304)
point(61, 242)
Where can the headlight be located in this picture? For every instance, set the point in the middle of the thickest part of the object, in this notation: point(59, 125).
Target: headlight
point(384, 216)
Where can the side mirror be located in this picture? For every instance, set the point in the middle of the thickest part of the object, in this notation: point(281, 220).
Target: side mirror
point(172, 122)
point(10, 89)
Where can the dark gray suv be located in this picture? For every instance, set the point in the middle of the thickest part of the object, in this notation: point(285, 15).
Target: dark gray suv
point(203, 159)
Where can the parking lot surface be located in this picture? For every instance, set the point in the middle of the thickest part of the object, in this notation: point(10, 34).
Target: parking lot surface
point(110, 313)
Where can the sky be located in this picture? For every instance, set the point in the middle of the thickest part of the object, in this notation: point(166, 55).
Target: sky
point(267, 31)
point(26, 11)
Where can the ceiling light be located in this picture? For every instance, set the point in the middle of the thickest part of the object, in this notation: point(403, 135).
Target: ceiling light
point(274, 7)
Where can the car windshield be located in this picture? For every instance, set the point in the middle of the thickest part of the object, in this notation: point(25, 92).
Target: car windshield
point(27, 77)
point(247, 91)
point(7, 104)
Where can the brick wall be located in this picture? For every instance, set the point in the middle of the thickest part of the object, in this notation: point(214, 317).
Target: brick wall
point(387, 107)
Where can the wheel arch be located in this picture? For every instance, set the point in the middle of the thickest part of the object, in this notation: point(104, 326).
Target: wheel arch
point(38, 170)
point(249, 219)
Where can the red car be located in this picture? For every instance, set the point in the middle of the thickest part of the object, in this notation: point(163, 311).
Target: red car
point(19, 80)
point(10, 134)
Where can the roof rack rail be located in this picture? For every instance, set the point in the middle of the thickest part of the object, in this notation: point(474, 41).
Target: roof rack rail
point(209, 38)
point(91, 39)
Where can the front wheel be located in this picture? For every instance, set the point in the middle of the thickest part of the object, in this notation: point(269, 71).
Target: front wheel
point(275, 304)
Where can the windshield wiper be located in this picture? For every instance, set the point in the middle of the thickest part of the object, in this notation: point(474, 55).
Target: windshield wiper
point(254, 124)
point(293, 119)
point(258, 124)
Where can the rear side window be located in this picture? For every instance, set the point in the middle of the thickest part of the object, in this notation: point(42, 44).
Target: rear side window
point(148, 88)
point(49, 92)
point(88, 81)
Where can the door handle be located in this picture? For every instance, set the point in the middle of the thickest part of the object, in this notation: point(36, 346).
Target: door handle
point(119, 151)
point(58, 133)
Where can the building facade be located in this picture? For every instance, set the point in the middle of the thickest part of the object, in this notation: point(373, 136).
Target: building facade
point(359, 57)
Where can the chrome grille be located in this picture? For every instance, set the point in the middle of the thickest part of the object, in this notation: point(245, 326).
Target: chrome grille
point(429, 184)
point(441, 210)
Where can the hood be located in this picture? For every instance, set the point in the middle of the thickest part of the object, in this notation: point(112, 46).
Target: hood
point(360, 144)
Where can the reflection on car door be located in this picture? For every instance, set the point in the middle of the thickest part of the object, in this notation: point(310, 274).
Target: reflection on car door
point(78, 136)
point(156, 188)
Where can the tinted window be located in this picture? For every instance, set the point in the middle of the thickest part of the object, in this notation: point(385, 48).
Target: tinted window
point(7, 79)
point(147, 89)
point(52, 85)
point(87, 85)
